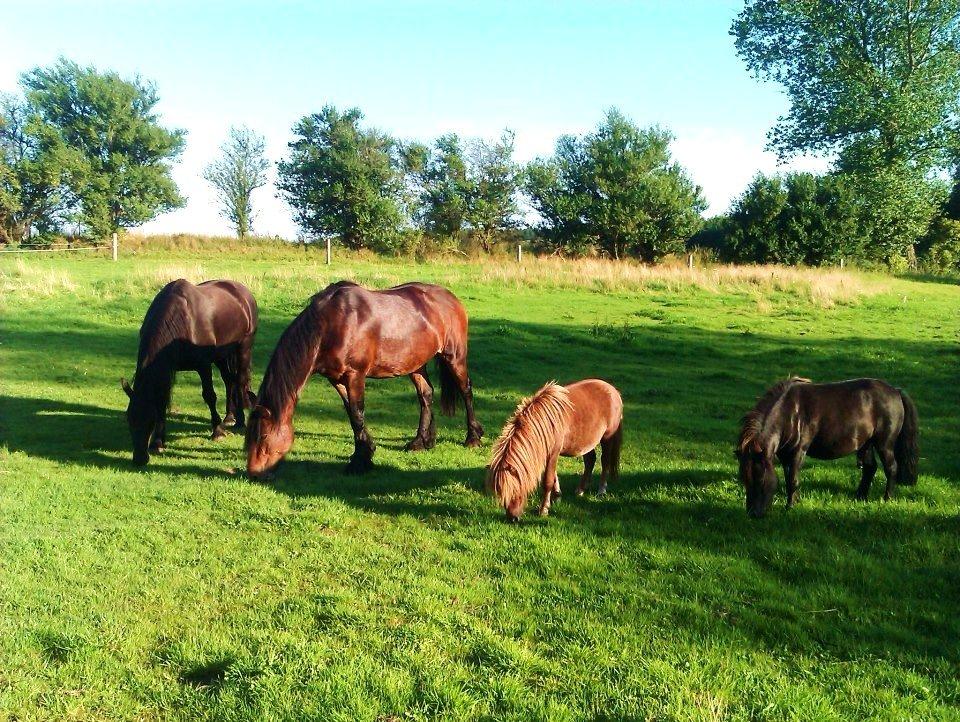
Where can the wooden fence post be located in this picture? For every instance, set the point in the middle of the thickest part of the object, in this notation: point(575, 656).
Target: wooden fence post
point(690, 260)
point(114, 246)
point(519, 252)
point(841, 263)
point(328, 250)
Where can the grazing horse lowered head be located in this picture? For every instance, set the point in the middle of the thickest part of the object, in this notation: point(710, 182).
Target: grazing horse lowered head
point(796, 418)
point(556, 421)
point(349, 334)
point(189, 328)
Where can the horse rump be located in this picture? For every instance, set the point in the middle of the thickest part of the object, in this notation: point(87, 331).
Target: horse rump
point(907, 448)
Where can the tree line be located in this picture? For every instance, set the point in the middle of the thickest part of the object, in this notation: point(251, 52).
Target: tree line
point(874, 86)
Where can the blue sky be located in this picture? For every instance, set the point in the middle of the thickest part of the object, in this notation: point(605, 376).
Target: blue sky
point(417, 69)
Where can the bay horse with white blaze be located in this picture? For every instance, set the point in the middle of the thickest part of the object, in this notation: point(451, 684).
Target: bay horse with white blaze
point(189, 328)
point(556, 421)
point(797, 418)
point(348, 334)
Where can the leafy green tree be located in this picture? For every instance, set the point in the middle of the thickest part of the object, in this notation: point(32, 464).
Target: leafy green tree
point(494, 182)
point(874, 82)
point(36, 168)
point(797, 218)
point(616, 189)
point(111, 123)
point(236, 174)
point(344, 181)
point(443, 189)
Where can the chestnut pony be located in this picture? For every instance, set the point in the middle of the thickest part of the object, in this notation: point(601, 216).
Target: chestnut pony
point(348, 333)
point(190, 328)
point(797, 418)
point(556, 421)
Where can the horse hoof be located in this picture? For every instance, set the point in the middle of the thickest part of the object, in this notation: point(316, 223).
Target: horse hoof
point(157, 449)
point(218, 433)
point(472, 442)
point(513, 519)
point(581, 492)
point(358, 466)
point(420, 444)
point(228, 420)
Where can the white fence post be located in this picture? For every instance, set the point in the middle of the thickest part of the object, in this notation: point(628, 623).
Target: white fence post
point(114, 246)
point(690, 260)
point(519, 252)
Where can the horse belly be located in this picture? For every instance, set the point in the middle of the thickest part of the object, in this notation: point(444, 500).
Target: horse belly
point(402, 356)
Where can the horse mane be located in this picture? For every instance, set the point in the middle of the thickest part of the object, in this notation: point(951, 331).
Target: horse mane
point(525, 441)
point(295, 353)
point(751, 425)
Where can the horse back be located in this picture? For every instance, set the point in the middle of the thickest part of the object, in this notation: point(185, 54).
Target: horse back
point(836, 419)
point(596, 415)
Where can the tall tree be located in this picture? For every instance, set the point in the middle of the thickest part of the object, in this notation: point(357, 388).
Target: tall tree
point(343, 180)
point(442, 187)
point(492, 203)
point(616, 189)
point(876, 83)
point(236, 174)
point(38, 168)
point(111, 122)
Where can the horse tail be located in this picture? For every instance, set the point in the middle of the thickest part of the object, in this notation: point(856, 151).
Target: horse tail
point(449, 388)
point(907, 450)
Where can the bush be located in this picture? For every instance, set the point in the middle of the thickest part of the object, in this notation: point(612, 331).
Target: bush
point(793, 219)
point(940, 250)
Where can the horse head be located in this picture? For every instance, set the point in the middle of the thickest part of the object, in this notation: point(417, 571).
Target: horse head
point(142, 420)
point(268, 440)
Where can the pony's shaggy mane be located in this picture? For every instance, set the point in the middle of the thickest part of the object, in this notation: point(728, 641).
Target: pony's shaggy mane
point(520, 454)
point(751, 425)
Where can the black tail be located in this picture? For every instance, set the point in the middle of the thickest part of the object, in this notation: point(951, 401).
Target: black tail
point(449, 389)
point(907, 450)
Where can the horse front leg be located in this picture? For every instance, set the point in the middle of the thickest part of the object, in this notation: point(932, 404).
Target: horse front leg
point(550, 482)
point(426, 437)
point(210, 397)
point(353, 394)
point(159, 442)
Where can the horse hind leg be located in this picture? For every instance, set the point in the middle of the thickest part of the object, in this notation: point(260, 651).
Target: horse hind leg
point(210, 397)
point(426, 437)
point(457, 367)
point(228, 377)
point(589, 461)
point(889, 460)
point(867, 461)
point(610, 459)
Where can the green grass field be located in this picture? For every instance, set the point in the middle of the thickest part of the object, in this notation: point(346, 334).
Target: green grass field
point(186, 592)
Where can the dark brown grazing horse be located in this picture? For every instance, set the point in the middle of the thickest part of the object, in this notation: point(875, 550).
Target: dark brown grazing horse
point(797, 418)
point(188, 328)
point(556, 421)
point(348, 333)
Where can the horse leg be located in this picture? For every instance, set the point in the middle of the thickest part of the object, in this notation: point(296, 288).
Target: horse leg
point(229, 383)
point(867, 461)
point(245, 399)
point(426, 437)
point(474, 429)
point(362, 459)
point(159, 442)
point(589, 461)
point(210, 397)
point(889, 460)
point(791, 470)
point(549, 483)
point(610, 459)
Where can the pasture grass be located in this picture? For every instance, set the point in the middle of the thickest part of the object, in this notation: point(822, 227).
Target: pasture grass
point(184, 591)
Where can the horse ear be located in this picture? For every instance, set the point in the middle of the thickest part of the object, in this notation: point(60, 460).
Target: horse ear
point(126, 387)
point(251, 399)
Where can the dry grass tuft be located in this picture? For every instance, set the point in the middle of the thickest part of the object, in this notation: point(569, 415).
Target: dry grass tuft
point(26, 279)
point(822, 287)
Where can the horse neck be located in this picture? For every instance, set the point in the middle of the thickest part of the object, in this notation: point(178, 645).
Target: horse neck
point(154, 377)
point(290, 367)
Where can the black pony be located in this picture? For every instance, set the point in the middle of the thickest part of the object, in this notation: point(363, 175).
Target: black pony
point(797, 418)
point(188, 328)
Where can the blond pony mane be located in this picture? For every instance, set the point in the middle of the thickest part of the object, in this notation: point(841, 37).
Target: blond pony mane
point(520, 454)
point(751, 426)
